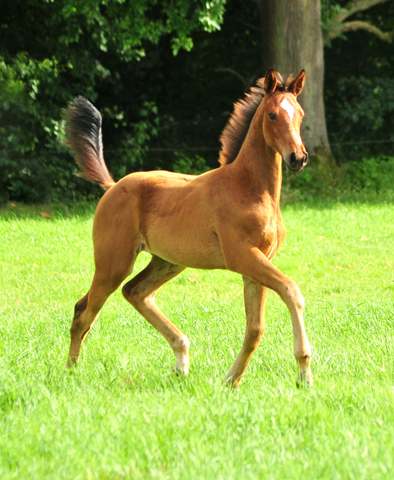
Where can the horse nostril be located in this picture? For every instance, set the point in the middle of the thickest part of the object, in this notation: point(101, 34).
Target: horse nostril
point(306, 158)
point(293, 160)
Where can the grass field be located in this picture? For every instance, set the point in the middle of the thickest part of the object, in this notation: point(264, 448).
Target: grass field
point(125, 415)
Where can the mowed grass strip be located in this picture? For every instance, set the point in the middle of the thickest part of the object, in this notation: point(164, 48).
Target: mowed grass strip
point(124, 414)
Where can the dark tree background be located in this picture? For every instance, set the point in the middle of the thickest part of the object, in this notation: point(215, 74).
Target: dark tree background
point(359, 88)
point(166, 111)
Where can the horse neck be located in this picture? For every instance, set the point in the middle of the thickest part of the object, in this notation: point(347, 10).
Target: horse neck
point(259, 165)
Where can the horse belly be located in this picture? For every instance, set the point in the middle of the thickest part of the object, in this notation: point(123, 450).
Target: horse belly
point(174, 214)
point(185, 243)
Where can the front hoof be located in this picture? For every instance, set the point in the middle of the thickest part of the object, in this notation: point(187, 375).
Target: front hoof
point(304, 380)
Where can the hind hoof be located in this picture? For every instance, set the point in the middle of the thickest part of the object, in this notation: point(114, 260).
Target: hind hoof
point(181, 370)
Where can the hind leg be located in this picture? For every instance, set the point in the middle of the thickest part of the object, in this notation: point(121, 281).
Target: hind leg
point(86, 312)
point(116, 246)
point(140, 292)
point(114, 262)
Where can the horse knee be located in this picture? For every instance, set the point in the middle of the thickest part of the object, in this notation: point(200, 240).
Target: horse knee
point(292, 296)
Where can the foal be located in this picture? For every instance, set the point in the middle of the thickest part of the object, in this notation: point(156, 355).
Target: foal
point(227, 218)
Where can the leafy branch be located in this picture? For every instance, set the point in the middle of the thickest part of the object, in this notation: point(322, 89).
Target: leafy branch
point(337, 26)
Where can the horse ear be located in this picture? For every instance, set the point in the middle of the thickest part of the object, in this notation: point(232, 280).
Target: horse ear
point(270, 81)
point(297, 84)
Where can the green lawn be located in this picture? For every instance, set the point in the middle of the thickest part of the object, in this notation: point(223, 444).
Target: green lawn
point(125, 415)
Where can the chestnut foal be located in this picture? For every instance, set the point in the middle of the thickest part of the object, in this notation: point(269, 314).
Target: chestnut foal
point(227, 218)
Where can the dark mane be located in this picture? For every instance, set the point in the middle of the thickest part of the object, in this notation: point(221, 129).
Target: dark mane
point(235, 132)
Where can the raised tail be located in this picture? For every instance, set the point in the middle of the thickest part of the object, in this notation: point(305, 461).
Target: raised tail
point(83, 136)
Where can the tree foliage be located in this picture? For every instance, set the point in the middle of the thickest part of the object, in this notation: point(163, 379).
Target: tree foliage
point(342, 17)
point(161, 110)
point(359, 86)
point(51, 51)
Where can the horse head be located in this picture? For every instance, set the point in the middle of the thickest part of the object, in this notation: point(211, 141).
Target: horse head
point(282, 119)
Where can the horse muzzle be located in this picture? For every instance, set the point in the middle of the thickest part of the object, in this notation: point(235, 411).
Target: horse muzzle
point(296, 163)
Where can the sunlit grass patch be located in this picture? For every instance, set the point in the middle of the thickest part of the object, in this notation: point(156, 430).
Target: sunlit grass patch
point(124, 414)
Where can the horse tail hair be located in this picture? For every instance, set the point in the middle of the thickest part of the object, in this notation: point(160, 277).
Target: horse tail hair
point(83, 136)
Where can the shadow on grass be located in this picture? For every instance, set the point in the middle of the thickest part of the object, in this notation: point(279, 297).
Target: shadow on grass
point(290, 199)
point(18, 211)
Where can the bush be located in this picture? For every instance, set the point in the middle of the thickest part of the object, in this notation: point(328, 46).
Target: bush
point(360, 118)
point(191, 165)
point(370, 177)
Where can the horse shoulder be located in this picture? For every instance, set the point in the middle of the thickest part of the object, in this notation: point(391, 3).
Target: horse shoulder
point(249, 224)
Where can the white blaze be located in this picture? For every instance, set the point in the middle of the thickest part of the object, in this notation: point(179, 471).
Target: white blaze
point(286, 105)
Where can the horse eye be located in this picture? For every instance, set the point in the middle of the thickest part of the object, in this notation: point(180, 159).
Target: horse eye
point(272, 116)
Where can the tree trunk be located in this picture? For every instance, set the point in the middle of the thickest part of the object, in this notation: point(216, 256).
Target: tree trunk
point(292, 40)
